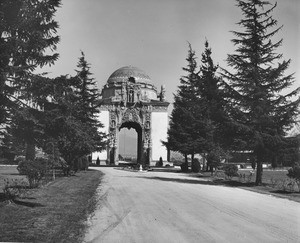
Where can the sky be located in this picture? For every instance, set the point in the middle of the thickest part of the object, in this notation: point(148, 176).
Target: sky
point(154, 34)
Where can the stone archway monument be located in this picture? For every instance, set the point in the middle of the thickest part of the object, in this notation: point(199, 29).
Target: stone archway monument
point(129, 99)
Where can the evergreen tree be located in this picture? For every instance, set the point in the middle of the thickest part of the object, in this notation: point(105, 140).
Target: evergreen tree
point(63, 126)
point(27, 31)
point(180, 133)
point(210, 111)
point(88, 94)
point(263, 110)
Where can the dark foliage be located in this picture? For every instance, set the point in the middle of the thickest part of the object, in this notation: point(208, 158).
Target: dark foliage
point(27, 31)
point(34, 170)
point(230, 170)
point(196, 167)
point(182, 117)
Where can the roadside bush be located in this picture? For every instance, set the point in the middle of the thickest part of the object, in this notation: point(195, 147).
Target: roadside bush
point(294, 173)
point(230, 170)
point(184, 167)
point(98, 161)
point(33, 170)
point(159, 163)
point(13, 189)
point(196, 167)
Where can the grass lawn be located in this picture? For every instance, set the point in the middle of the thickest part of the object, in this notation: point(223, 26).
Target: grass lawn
point(55, 212)
point(274, 182)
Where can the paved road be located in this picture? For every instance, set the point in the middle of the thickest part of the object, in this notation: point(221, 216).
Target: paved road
point(172, 207)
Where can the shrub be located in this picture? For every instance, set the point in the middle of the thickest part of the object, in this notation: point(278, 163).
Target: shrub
point(184, 167)
point(230, 170)
point(14, 189)
point(294, 173)
point(98, 161)
point(196, 167)
point(159, 163)
point(33, 170)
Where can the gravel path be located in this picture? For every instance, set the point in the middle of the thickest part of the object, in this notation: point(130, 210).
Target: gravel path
point(172, 207)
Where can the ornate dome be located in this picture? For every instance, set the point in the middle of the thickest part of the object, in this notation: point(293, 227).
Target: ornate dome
point(124, 73)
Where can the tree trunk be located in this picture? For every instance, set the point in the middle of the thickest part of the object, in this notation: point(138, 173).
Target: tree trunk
point(30, 151)
point(259, 170)
point(258, 174)
point(192, 159)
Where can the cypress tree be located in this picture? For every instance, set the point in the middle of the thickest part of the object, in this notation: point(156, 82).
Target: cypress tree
point(180, 133)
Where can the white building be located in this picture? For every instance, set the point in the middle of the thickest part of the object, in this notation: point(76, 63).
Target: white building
point(130, 100)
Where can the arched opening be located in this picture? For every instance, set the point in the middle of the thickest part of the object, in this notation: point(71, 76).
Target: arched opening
point(128, 145)
point(130, 142)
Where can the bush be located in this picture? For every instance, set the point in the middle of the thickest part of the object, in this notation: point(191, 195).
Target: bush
point(230, 170)
point(294, 173)
point(159, 163)
point(184, 167)
point(14, 189)
point(196, 167)
point(33, 170)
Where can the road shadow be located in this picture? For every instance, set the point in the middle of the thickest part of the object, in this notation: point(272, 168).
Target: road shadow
point(19, 201)
point(28, 204)
point(217, 182)
point(283, 192)
point(178, 180)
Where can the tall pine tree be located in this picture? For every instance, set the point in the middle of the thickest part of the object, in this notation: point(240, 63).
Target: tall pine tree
point(27, 31)
point(210, 111)
point(264, 106)
point(87, 92)
point(88, 100)
point(181, 133)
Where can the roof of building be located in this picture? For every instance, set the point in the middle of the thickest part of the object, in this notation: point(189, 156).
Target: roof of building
point(124, 73)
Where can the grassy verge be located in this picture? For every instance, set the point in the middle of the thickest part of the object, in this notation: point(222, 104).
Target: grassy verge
point(274, 182)
point(55, 212)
